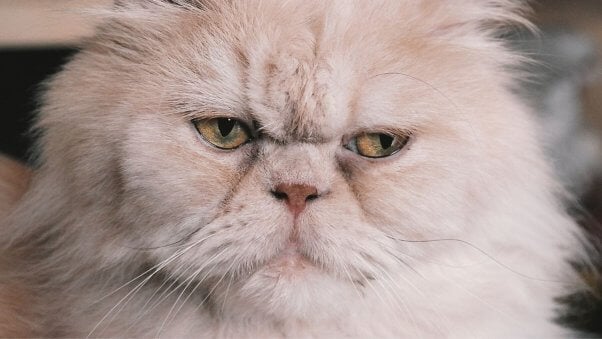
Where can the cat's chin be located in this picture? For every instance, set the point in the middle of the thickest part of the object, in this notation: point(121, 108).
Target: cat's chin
point(292, 288)
point(289, 286)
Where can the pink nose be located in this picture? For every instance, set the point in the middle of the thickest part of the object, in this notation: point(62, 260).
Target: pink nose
point(295, 195)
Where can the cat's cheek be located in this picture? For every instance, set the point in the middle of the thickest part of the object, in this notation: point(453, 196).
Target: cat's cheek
point(416, 193)
point(168, 175)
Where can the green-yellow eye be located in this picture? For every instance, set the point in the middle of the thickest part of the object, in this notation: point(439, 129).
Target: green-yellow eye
point(377, 145)
point(224, 133)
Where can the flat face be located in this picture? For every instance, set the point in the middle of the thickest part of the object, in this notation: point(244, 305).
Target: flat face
point(279, 155)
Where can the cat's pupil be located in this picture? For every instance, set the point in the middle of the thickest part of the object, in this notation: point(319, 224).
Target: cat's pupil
point(225, 126)
point(386, 141)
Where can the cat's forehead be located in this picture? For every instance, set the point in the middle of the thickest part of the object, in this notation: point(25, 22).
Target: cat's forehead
point(301, 76)
point(307, 71)
point(301, 97)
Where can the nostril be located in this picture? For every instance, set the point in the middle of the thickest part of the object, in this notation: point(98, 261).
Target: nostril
point(296, 196)
point(279, 195)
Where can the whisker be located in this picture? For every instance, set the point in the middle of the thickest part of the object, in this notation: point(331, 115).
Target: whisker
point(189, 281)
point(388, 278)
point(142, 274)
point(145, 309)
point(226, 294)
point(501, 264)
point(389, 291)
point(158, 267)
point(234, 260)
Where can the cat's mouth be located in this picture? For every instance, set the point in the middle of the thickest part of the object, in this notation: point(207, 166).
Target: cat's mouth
point(289, 261)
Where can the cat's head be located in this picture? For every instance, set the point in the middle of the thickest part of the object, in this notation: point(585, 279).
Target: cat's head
point(283, 149)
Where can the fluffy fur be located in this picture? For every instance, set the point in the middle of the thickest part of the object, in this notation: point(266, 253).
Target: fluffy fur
point(133, 226)
point(14, 179)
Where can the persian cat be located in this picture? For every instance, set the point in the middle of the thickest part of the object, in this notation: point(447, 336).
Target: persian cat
point(288, 169)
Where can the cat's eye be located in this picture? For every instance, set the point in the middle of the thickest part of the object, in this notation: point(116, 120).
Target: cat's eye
point(223, 133)
point(377, 145)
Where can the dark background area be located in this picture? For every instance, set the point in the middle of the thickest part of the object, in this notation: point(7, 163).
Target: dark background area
point(23, 70)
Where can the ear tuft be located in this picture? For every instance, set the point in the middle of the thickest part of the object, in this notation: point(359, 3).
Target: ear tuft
point(487, 16)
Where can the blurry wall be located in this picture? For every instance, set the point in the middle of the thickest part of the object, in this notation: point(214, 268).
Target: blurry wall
point(45, 22)
point(584, 16)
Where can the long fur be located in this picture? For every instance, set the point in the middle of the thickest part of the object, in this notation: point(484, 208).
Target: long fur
point(14, 297)
point(134, 226)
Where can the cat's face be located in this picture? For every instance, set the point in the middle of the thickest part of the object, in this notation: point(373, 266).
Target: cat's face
point(353, 125)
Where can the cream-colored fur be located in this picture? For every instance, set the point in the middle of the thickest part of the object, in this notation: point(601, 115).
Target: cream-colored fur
point(134, 226)
point(14, 179)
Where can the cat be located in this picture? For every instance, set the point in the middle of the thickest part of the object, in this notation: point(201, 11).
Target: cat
point(291, 169)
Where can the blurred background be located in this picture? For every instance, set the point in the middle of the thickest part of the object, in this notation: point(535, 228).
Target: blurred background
point(570, 50)
point(37, 36)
